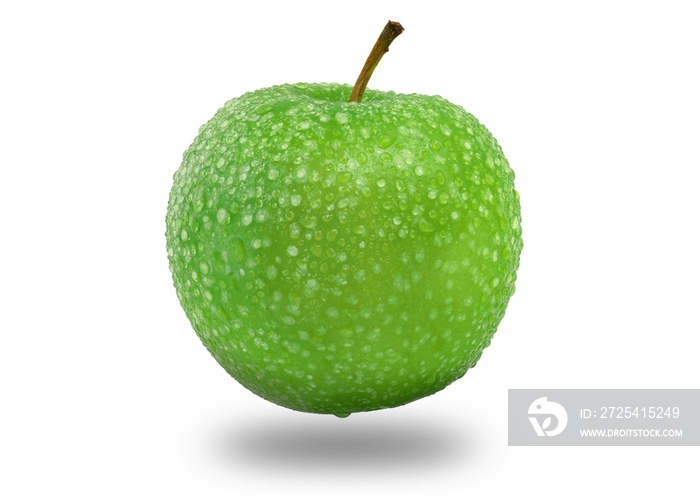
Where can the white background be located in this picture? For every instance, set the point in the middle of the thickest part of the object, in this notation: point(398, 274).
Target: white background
point(106, 393)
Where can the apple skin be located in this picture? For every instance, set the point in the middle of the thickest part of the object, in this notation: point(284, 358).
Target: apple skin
point(340, 257)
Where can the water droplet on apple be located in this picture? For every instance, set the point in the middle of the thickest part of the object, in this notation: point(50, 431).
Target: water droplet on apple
point(341, 117)
point(311, 288)
point(237, 250)
point(223, 216)
point(359, 229)
point(220, 259)
point(385, 141)
point(271, 272)
point(273, 174)
point(263, 109)
point(292, 251)
point(425, 226)
point(309, 221)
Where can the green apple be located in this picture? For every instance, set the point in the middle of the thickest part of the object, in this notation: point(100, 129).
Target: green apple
point(340, 256)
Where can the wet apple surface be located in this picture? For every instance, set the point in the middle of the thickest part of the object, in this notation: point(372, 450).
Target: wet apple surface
point(339, 256)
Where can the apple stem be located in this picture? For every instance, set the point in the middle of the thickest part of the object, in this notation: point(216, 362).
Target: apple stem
point(389, 33)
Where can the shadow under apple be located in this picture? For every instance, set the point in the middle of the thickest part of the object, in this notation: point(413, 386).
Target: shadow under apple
point(365, 441)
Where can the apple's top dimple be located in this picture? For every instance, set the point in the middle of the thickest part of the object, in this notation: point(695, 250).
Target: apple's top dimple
point(325, 92)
